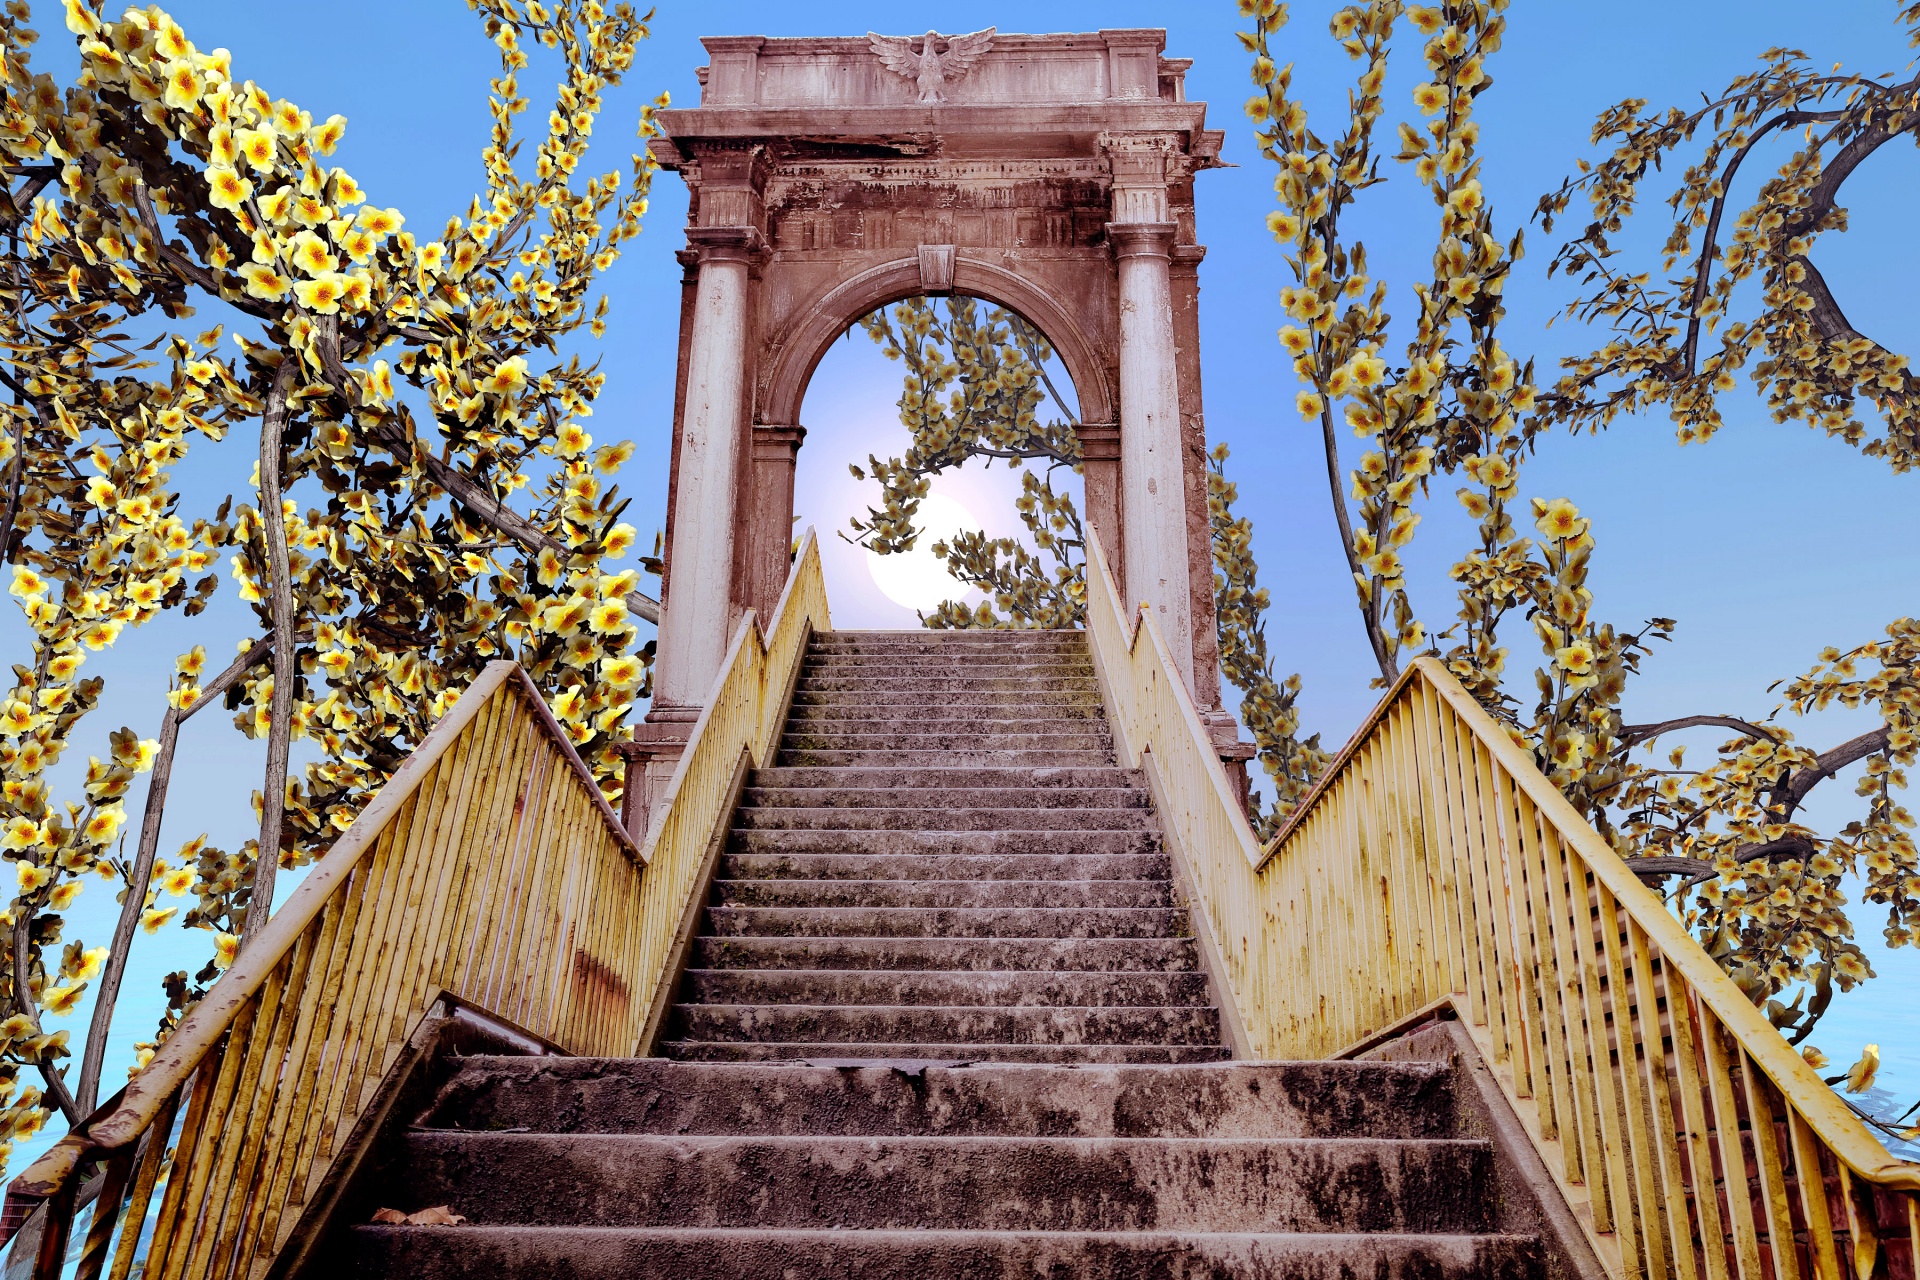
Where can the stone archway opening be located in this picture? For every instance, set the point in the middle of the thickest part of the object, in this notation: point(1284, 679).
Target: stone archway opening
point(996, 413)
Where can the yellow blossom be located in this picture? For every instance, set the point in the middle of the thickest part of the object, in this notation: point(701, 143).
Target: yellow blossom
point(508, 376)
point(327, 136)
point(228, 188)
point(153, 918)
point(264, 282)
point(608, 616)
point(105, 823)
point(90, 962)
point(61, 1000)
point(622, 672)
point(31, 876)
point(258, 146)
point(225, 948)
point(321, 296)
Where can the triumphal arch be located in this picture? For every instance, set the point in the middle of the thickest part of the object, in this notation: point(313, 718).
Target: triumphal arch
point(1051, 174)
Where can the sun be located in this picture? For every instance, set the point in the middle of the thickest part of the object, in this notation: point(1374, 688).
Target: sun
point(917, 579)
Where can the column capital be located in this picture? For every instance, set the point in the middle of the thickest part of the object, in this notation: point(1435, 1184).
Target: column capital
point(777, 441)
point(726, 244)
point(1141, 239)
point(1099, 441)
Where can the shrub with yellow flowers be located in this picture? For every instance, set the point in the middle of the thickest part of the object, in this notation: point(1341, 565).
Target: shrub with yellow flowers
point(425, 495)
point(1762, 889)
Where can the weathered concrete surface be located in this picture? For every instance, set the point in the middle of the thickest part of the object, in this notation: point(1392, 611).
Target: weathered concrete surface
point(1228, 1100)
point(573, 1253)
point(941, 1023)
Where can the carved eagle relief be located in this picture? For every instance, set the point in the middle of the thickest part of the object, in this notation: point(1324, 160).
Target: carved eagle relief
point(939, 60)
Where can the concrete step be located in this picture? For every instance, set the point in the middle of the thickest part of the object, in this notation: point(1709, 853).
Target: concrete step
point(1219, 1100)
point(660, 1253)
point(997, 641)
point(950, 866)
point(944, 922)
point(1081, 955)
point(998, 717)
point(769, 818)
point(801, 840)
point(981, 662)
point(910, 702)
point(935, 1183)
point(1012, 720)
point(949, 677)
point(856, 1054)
point(947, 1024)
point(942, 893)
point(953, 759)
point(931, 737)
point(947, 797)
point(1020, 987)
point(1023, 779)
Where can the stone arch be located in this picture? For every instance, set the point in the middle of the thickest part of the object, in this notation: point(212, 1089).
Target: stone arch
point(1054, 177)
point(794, 355)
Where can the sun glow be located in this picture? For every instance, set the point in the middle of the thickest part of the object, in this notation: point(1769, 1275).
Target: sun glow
point(917, 579)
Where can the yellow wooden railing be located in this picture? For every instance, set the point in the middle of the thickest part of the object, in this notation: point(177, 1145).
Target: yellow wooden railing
point(489, 868)
point(738, 727)
point(1434, 868)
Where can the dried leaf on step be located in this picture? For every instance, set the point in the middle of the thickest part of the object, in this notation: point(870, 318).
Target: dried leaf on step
point(438, 1216)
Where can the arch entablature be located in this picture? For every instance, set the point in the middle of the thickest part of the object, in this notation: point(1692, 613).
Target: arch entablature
point(792, 355)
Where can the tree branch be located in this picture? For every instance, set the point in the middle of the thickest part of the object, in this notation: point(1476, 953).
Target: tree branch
point(273, 794)
point(1369, 609)
point(56, 1083)
point(1831, 762)
point(141, 872)
point(1634, 734)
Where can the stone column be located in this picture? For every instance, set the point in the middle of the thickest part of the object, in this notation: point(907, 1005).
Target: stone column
point(1153, 486)
point(696, 615)
point(1152, 480)
point(1100, 474)
point(775, 449)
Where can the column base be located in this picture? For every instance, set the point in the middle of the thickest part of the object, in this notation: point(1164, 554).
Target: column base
point(1224, 730)
point(654, 753)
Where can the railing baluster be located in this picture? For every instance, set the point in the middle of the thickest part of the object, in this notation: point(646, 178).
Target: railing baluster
point(1697, 1150)
point(1812, 1181)
point(1605, 1036)
point(1744, 1240)
point(153, 1156)
point(1772, 1173)
point(1663, 1126)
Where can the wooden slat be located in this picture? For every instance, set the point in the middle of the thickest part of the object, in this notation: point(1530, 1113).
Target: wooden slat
point(1744, 1240)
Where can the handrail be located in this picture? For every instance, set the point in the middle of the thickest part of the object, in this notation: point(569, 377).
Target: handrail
point(1434, 866)
point(743, 715)
point(489, 867)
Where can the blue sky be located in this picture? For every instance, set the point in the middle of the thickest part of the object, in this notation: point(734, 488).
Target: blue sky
point(1767, 543)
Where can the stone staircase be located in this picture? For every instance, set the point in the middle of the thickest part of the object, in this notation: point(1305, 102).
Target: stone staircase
point(945, 863)
point(943, 1022)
